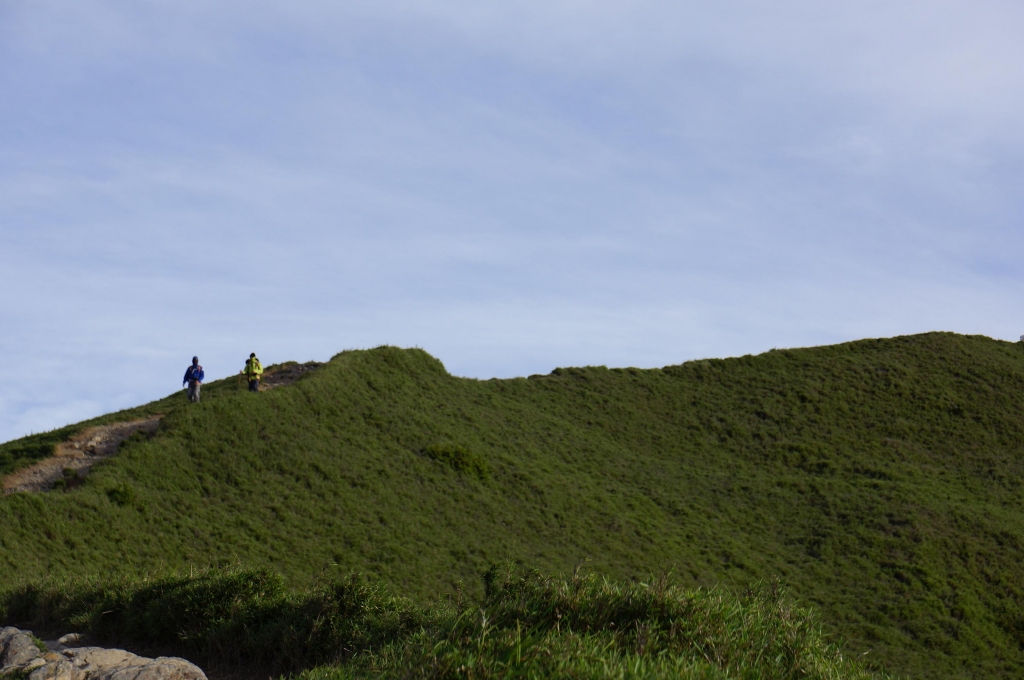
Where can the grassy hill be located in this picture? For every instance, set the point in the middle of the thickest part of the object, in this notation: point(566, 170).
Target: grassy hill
point(879, 480)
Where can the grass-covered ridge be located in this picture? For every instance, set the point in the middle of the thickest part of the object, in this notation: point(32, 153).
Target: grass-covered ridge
point(529, 626)
point(879, 480)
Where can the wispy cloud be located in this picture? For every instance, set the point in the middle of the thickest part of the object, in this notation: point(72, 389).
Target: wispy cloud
point(512, 186)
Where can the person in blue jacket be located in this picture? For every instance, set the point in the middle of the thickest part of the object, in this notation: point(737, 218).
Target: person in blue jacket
point(194, 377)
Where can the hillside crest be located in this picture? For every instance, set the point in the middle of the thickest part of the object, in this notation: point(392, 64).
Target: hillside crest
point(878, 479)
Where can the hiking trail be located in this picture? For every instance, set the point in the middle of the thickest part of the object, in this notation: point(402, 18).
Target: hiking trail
point(100, 442)
point(79, 454)
point(287, 374)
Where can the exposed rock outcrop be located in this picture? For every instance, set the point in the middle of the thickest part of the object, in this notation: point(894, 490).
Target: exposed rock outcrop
point(21, 658)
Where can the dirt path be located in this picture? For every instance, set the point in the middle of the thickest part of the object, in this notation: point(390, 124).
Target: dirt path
point(94, 444)
point(286, 375)
point(79, 454)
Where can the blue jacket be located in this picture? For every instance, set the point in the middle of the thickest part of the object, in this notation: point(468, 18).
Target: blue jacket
point(193, 373)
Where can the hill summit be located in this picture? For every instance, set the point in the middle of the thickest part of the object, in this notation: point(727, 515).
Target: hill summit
point(879, 480)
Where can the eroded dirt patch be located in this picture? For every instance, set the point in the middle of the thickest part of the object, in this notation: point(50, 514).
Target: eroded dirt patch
point(78, 454)
point(286, 375)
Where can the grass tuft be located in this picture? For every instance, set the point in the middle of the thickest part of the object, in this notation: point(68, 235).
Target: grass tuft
point(123, 494)
point(458, 458)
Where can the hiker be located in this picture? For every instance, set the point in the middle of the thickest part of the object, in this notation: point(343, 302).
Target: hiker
point(194, 377)
point(253, 370)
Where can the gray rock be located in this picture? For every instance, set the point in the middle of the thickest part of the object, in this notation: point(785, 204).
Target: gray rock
point(89, 660)
point(17, 650)
point(19, 653)
point(34, 664)
point(56, 668)
point(96, 663)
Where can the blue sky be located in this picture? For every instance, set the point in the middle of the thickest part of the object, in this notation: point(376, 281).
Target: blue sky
point(512, 186)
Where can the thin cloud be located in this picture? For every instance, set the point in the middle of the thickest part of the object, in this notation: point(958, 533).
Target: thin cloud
point(511, 186)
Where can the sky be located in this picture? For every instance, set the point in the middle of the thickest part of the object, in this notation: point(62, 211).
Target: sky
point(511, 186)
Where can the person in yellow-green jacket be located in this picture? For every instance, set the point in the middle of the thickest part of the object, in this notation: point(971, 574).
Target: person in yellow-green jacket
point(253, 372)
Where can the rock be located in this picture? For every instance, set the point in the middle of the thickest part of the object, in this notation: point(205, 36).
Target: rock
point(34, 664)
point(85, 663)
point(17, 650)
point(55, 669)
point(95, 663)
point(91, 659)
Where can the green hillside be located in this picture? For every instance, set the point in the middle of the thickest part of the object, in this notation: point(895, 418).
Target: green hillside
point(879, 480)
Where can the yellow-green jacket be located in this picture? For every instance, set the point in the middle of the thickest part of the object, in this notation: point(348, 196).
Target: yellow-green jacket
point(253, 369)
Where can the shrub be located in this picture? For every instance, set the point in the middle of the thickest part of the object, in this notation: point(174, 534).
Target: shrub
point(123, 494)
point(459, 458)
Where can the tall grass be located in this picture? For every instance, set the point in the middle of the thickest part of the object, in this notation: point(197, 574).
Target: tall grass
point(541, 627)
point(529, 626)
point(225, 617)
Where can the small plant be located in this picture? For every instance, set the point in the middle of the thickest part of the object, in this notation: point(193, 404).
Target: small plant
point(40, 645)
point(70, 479)
point(122, 494)
point(459, 458)
point(136, 437)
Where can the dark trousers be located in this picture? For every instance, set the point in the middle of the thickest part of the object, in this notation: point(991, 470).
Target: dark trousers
point(254, 385)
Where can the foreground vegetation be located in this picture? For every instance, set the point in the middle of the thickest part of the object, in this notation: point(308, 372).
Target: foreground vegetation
point(523, 627)
point(879, 480)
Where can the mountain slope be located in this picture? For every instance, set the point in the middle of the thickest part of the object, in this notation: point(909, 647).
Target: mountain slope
point(878, 479)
